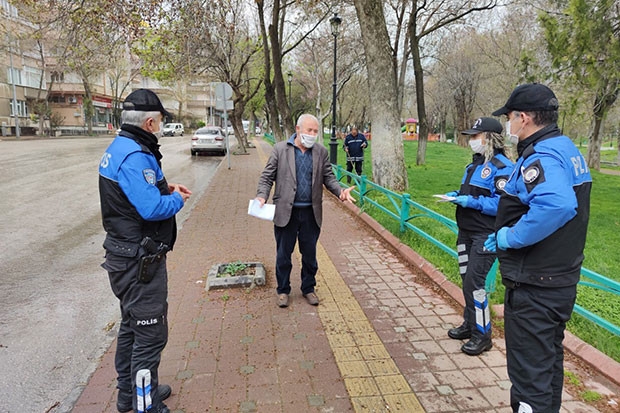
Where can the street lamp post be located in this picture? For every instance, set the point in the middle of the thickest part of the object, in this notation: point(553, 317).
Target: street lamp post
point(333, 145)
point(290, 92)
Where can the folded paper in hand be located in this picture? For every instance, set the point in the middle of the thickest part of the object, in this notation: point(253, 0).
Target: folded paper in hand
point(266, 212)
point(444, 198)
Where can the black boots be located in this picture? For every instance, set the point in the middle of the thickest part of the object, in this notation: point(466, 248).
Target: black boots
point(477, 345)
point(459, 333)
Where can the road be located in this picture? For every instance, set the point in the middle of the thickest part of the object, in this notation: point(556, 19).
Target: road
point(58, 314)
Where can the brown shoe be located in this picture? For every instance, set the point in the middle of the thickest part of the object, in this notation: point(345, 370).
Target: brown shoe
point(311, 298)
point(282, 300)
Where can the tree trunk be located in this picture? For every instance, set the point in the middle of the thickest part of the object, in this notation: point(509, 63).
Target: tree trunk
point(419, 93)
point(388, 164)
point(606, 96)
point(270, 96)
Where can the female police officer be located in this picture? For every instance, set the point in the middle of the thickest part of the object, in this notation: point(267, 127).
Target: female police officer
point(477, 201)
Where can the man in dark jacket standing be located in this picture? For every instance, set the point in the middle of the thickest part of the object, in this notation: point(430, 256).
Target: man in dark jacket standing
point(138, 208)
point(354, 145)
point(300, 168)
point(541, 227)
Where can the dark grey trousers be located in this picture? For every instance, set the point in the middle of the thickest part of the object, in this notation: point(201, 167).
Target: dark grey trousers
point(143, 331)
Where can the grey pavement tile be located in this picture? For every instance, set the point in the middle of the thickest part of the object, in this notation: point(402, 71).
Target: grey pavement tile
point(455, 378)
point(470, 400)
point(496, 395)
point(481, 376)
point(433, 402)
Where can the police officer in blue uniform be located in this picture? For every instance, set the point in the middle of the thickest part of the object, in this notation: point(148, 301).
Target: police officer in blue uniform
point(138, 208)
point(354, 145)
point(477, 200)
point(541, 224)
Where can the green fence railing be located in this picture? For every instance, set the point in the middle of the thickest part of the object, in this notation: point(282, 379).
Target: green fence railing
point(406, 211)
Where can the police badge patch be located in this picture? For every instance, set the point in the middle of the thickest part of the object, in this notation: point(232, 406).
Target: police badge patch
point(530, 174)
point(500, 184)
point(149, 176)
point(486, 172)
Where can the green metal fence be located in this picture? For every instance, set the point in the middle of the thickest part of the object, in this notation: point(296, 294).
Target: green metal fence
point(404, 210)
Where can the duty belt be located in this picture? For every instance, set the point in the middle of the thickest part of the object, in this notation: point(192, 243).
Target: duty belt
point(510, 284)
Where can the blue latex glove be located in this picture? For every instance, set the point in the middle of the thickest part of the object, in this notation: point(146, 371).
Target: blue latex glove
point(490, 244)
point(502, 242)
point(453, 193)
point(461, 200)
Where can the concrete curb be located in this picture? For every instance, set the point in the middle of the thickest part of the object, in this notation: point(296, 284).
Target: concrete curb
point(600, 362)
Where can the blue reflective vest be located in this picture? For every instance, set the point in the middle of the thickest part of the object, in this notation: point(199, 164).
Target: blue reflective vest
point(134, 194)
point(546, 206)
point(484, 183)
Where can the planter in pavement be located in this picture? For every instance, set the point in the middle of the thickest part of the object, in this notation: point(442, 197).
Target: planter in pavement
point(220, 275)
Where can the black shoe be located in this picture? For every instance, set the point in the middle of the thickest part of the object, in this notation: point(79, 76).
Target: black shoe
point(124, 400)
point(477, 345)
point(459, 333)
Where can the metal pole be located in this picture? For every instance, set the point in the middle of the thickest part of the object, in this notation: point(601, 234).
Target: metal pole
point(290, 96)
point(333, 145)
point(17, 132)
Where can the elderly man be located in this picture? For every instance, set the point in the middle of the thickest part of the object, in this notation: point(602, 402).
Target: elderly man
point(299, 167)
point(138, 207)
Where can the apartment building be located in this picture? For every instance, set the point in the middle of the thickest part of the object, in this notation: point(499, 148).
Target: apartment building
point(30, 77)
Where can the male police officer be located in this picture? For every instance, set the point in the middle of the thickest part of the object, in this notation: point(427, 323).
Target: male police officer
point(138, 208)
point(541, 226)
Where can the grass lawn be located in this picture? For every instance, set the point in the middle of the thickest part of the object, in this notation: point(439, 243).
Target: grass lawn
point(443, 171)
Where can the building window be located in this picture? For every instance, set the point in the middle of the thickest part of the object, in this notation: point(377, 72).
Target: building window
point(58, 77)
point(57, 99)
point(22, 108)
point(14, 74)
point(32, 77)
point(9, 8)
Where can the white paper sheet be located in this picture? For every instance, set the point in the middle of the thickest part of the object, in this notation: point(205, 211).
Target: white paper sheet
point(444, 198)
point(267, 212)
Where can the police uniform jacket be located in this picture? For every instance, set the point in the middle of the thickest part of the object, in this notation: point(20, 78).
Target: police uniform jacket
point(483, 182)
point(134, 194)
point(546, 206)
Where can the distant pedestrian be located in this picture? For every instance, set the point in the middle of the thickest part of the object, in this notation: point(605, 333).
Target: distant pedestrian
point(354, 145)
point(300, 168)
point(541, 224)
point(138, 207)
point(477, 200)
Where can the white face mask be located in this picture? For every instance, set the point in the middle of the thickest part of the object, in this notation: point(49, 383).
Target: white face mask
point(307, 140)
point(160, 131)
point(512, 137)
point(476, 145)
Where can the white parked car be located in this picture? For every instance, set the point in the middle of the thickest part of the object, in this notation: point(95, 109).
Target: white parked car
point(173, 129)
point(209, 139)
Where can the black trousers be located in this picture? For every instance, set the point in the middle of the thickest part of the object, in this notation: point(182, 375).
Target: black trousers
point(535, 320)
point(303, 227)
point(143, 331)
point(358, 168)
point(474, 265)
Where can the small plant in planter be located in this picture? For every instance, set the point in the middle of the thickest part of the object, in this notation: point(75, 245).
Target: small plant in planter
point(235, 274)
point(233, 269)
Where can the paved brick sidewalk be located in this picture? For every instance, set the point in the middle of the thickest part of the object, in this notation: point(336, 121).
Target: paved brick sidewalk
point(377, 342)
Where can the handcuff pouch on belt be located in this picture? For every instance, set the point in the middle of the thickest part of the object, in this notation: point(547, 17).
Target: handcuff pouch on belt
point(155, 252)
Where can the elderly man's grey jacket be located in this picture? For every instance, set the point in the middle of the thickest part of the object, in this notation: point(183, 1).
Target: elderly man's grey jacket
point(280, 169)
